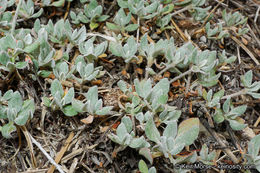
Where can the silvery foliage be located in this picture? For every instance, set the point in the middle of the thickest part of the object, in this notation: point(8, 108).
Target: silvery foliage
point(11, 47)
point(230, 114)
point(147, 10)
point(141, 8)
point(127, 52)
point(198, 12)
point(92, 14)
point(92, 51)
point(125, 135)
point(58, 33)
point(15, 110)
point(153, 100)
point(152, 50)
point(27, 10)
point(6, 16)
point(250, 87)
point(230, 20)
point(61, 100)
point(62, 71)
point(93, 105)
point(143, 168)
point(252, 156)
point(86, 71)
point(121, 21)
point(203, 63)
point(58, 3)
point(213, 100)
point(223, 59)
point(207, 157)
point(146, 96)
point(70, 106)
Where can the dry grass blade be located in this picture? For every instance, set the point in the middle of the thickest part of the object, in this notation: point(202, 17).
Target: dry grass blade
point(246, 49)
point(46, 154)
point(29, 142)
point(62, 151)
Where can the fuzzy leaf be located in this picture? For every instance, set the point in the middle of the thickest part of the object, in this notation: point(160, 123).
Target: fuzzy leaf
point(188, 131)
point(69, 111)
point(151, 131)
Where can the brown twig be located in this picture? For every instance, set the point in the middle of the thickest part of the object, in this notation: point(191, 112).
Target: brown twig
point(61, 153)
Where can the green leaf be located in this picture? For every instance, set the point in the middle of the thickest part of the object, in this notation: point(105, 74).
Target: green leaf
point(7, 129)
point(164, 85)
point(26, 111)
point(112, 26)
point(142, 167)
point(46, 101)
point(69, 111)
point(138, 143)
point(254, 146)
point(104, 111)
point(92, 95)
point(15, 102)
point(21, 65)
point(44, 73)
point(56, 87)
point(226, 105)
point(188, 131)
point(235, 125)
point(69, 96)
point(93, 25)
point(255, 95)
point(103, 18)
point(128, 123)
point(170, 130)
point(4, 58)
point(218, 117)
point(131, 27)
point(59, 3)
point(122, 85)
point(247, 78)
point(146, 152)
point(77, 105)
point(151, 131)
point(238, 110)
point(121, 131)
point(32, 47)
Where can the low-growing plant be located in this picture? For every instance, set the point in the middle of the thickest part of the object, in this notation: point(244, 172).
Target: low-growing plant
point(250, 88)
point(230, 114)
point(252, 155)
point(122, 21)
point(195, 8)
point(231, 20)
point(207, 157)
point(61, 100)
point(93, 105)
point(92, 15)
point(14, 110)
point(92, 51)
point(62, 71)
point(127, 52)
point(27, 10)
point(87, 72)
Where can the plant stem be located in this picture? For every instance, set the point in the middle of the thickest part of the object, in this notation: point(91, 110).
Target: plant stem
point(138, 30)
point(181, 75)
point(241, 92)
point(172, 65)
point(15, 16)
